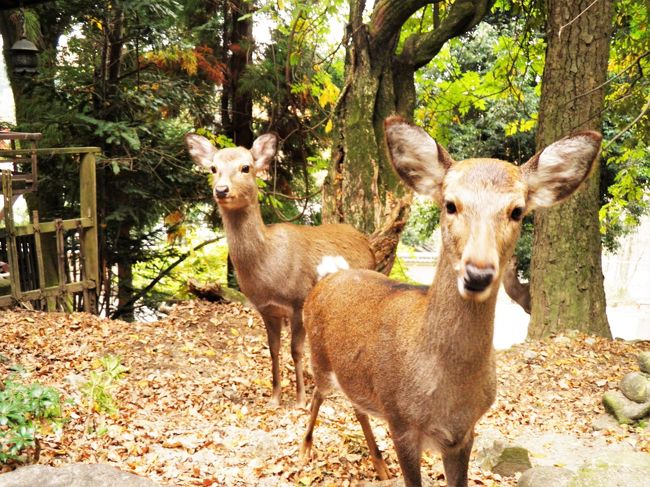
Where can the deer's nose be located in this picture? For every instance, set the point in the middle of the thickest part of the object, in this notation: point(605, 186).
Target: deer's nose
point(221, 191)
point(477, 279)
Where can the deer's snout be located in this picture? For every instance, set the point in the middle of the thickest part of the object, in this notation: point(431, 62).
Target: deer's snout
point(478, 279)
point(221, 191)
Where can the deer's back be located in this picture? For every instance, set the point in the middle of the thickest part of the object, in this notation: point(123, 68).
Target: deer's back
point(285, 270)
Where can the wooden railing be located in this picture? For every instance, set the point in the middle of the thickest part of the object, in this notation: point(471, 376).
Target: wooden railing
point(77, 256)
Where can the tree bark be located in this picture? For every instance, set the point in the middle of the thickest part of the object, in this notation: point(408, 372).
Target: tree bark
point(566, 272)
point(379, 81)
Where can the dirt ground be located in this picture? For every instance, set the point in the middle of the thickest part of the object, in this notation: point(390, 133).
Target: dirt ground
point(193, 407)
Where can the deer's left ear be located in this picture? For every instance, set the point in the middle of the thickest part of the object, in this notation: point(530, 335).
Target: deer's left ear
point(263, 151)
point(557, 172)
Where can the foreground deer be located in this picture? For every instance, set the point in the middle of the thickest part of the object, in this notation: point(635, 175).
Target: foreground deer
point(422, 359)
point(276, 265)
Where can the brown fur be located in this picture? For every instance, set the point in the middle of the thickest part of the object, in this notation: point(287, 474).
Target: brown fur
point(276, 265)
point(424, 361)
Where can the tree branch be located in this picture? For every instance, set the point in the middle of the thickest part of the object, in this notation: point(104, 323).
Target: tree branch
point(388, 16)
point(463, 15)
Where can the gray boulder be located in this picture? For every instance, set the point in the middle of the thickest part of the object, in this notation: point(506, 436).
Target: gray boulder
point(618, 470)
point(636, 386)
point(546, 477)
point(644, 362)
point(624, 410)
point(74, 475)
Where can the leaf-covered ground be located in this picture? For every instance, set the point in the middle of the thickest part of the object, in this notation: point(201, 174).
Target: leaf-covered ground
point(193, 407)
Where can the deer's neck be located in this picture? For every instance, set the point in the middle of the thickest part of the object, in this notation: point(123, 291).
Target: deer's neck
point(246, 234)
point(457, 329)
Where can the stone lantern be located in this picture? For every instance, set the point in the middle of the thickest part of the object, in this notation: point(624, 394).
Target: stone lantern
point(24, 57)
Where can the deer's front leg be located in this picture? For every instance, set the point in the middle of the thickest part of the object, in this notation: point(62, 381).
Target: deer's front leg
point(456, 463)
point(273, 326)
point(408, 446)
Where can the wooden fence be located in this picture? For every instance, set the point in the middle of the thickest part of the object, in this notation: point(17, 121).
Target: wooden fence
point(69, 279)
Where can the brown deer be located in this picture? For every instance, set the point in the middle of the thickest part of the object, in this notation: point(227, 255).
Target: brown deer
point(422, 358)
point(276, 265)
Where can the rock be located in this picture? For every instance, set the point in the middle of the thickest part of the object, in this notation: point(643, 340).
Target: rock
point(77, 475)
point(492, 452)
point(605, 422)
point(624, 410)
point(546, 477)
point(513, 459)
point(644, 362)
point(618, 470)
point(636, 386)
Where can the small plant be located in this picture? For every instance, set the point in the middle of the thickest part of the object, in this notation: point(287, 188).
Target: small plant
point(26, 410)
point(98, 388)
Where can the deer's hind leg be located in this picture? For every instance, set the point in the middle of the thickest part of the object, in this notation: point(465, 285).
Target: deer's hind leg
point(375, 453)
point(297, 354)
point(307, 442)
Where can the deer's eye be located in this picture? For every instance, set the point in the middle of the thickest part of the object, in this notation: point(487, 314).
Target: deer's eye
point(450, 207)
point(517, 213)
point(245, 169)
point(213, 169)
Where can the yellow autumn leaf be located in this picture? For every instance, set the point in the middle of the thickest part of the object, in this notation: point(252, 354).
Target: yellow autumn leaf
point(328, 127)
point(329, 94)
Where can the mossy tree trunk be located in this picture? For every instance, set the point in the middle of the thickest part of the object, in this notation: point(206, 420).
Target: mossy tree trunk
point(379, 81)
point(566, 272)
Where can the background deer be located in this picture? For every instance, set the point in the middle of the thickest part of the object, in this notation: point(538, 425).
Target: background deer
point(276, 265)
point(422, 358)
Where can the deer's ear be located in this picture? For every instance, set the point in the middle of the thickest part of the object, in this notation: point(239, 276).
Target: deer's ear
point(557, 172)
point(263, 151)
point(201, 150)
point(418, 159)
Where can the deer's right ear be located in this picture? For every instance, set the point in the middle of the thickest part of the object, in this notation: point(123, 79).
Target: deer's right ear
point(417, 158)
point(263, 151)
point(201, 150)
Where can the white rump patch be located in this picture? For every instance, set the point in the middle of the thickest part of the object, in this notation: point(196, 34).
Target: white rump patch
point(331, 264)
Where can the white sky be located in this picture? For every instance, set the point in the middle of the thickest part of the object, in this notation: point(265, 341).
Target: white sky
point(6, 96)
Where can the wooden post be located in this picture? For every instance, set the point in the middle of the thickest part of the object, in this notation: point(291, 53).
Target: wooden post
point(39, 256)
point(60, 252)
point(88, 238)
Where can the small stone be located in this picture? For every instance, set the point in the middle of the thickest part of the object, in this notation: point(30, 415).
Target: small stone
point(513, 459)
point(644, 362)
point(636, 386)
point(546, 477)
point(529, 355)
point(562, 340)
point(590, 341)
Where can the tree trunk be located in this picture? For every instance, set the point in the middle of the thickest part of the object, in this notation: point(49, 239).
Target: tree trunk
point(566, 272)
point(236, 104)
point(379, 82)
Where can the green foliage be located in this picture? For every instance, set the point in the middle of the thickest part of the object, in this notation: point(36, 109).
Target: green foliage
point(25, 411)
point(626, 176)
point(98, 389)
point(207, 264)
point(423, 220)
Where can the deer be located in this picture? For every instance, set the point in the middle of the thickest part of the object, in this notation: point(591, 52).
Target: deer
point(421, 358)
point(276, 265)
